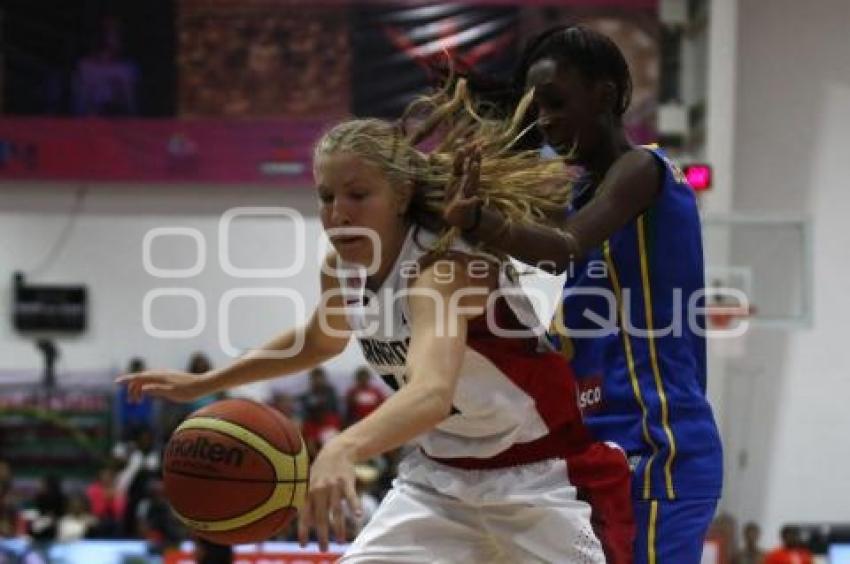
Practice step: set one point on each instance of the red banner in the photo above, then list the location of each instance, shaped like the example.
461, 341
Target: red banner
268, 151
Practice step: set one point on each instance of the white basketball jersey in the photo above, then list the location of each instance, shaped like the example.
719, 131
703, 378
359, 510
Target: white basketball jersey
511, 389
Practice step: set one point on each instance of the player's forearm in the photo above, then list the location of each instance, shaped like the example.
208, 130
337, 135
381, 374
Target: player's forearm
292, 352
410, 412
535, 245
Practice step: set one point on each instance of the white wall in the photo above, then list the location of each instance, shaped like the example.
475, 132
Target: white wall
721, 46
787, 419
103, 250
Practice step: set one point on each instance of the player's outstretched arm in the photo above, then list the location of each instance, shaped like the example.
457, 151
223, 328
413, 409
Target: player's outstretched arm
627, 190
440, 307
324, 336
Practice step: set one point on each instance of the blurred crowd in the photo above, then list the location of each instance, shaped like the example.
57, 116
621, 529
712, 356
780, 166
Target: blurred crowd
126, 499
744, 546
261, 61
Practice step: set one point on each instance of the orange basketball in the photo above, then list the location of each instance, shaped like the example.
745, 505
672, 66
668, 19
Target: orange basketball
236, 471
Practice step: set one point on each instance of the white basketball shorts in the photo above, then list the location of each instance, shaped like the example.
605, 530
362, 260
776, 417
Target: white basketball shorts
439, 514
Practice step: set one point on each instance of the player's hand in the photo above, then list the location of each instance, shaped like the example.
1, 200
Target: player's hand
462, 200
332, 480
169, 384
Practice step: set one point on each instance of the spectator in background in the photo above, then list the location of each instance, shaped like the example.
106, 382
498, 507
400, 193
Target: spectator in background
8, 507
156, 521
107, 503
50, 505
792, 550
172, 414
724, 528
77, 522
5, 477
200, 363
363, 398
319, 427
8, 517
320, 395
105, 81
134, 416
752, 552
141, 465
284, 403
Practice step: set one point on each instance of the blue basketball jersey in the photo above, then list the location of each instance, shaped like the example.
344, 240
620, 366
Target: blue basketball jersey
632, 326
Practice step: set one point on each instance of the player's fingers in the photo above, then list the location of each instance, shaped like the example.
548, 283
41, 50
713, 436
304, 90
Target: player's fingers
305, 521
148, 376
135, 383
135, 390
155, 389
352, 499
320, 517
459, 161
457, 176
473, 176
337, 515
126, 378
451, 190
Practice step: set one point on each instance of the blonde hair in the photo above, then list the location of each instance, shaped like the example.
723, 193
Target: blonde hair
521, 185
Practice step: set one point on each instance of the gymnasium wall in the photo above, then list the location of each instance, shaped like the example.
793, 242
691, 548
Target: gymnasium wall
786, 401
102, 247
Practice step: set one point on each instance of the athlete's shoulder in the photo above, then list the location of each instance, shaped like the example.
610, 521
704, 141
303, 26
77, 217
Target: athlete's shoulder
628, 188
452, 271
461, 262
635, 161
661, 159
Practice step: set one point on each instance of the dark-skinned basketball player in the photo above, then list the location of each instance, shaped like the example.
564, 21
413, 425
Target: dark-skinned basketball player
631, 245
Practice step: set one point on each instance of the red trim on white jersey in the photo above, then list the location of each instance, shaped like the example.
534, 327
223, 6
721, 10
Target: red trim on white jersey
545, 376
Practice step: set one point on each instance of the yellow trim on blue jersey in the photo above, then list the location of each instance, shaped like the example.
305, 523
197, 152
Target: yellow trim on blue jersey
650, 535
653, 356
630, 360
558, 327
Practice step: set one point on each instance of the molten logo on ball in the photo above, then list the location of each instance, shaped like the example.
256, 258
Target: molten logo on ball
236, 472
202, 449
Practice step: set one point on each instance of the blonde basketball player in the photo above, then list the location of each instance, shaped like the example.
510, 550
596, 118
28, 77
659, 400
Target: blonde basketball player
504, 469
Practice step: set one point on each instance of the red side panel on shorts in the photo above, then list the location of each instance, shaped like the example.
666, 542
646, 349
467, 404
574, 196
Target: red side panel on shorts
601, 474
